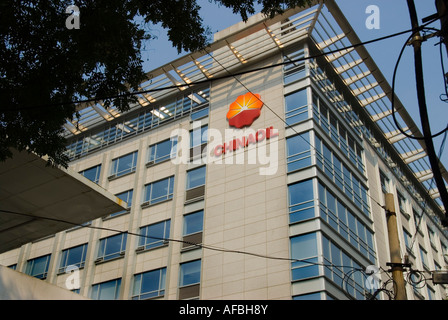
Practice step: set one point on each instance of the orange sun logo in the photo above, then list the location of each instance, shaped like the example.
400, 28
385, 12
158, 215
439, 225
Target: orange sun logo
244, 110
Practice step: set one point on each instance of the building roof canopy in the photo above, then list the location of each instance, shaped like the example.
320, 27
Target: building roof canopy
39, 200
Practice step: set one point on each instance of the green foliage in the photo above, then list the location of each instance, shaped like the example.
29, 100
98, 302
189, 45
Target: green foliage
44, 66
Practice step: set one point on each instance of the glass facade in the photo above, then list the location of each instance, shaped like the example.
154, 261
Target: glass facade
335, 148
136, 123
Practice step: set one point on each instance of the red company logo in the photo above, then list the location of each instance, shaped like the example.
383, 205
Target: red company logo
244, 110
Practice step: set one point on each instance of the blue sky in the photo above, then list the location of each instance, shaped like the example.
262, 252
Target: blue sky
394, 17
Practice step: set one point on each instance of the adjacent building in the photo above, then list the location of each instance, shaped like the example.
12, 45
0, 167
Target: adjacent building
232, 199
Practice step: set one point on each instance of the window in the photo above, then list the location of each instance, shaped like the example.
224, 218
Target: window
93, 174
126, 196
162, 151
192, 229
424, 257
301, 201
147, 119
304, 249
190, 273
112, 247
343, 221
431, 293
296, 105
401, 203
193, 222
198, 136
159, 191
75, 256
298, 152
309, 296
384, 182
444, 251
339, 173
407, 240
294, 71
154, 235
335, 129
339, 268
202, 113
38, 267
109, 290
123, 165
432, 238
196, 178
149, 284
195, 184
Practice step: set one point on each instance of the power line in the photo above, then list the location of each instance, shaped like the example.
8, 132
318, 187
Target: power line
281, 118
397, 125
204, 246
128, 94
418, 65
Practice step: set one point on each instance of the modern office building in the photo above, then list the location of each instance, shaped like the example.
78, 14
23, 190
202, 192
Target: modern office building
230, 198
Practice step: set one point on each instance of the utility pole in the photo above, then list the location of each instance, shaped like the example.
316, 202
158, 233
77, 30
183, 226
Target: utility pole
394, 248
427, 135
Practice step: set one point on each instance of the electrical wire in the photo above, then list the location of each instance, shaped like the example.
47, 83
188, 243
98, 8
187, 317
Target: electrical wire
417, 228
346, 275
444, 75
204, 246
398, 126
95, 100
281, 118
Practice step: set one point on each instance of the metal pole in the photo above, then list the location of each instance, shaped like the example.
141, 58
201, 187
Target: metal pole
394, 248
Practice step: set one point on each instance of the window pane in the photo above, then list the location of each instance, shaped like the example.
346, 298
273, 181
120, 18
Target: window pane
111, 247
153, 283
301, 201
298, 151
74, 256
190, 273
199, 114
93, 174
296, 107
154, 235
124, 164
304, 246
295, 100
162, 150
198, 136
126, 197
38, 267
159, 190
196, 177
107, 290
193, 222
304, 249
